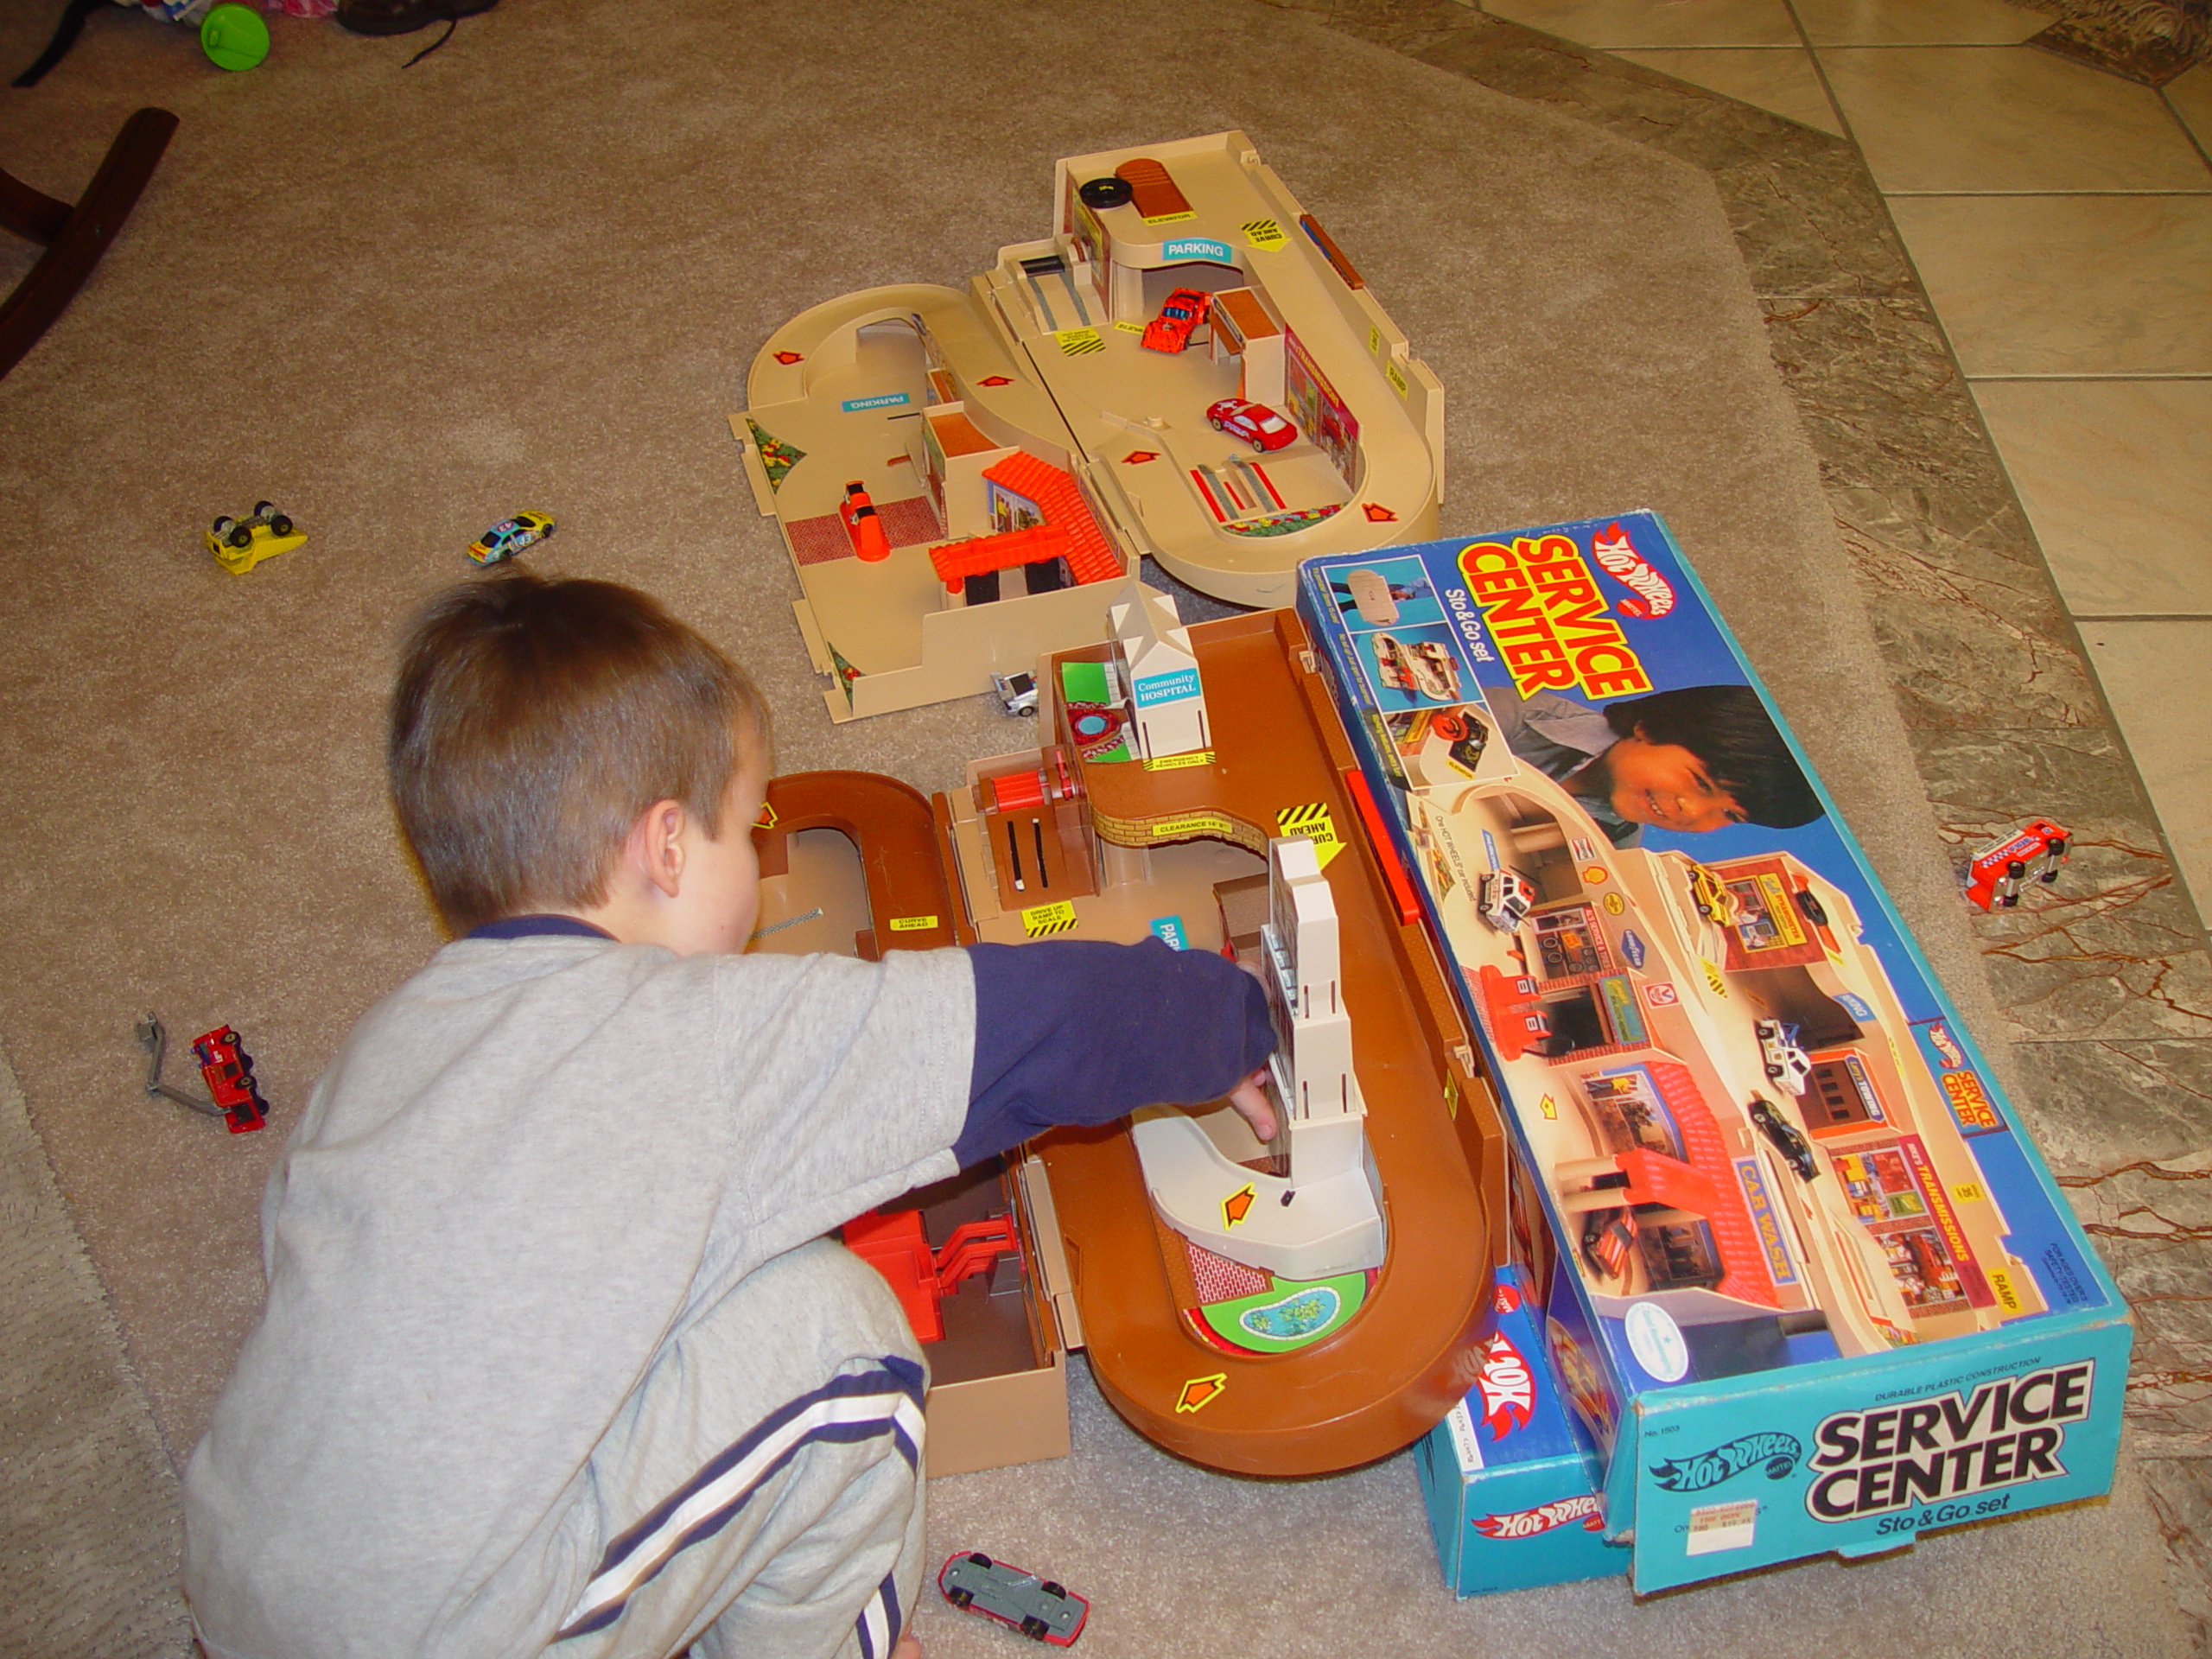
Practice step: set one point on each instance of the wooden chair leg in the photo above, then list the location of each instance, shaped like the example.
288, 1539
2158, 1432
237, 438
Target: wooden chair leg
75, 237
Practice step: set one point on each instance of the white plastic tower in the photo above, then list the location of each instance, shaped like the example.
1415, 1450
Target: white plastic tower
1324, 1218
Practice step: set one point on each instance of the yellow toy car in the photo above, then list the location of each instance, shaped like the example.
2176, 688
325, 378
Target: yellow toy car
1714, 902
238, 544
509, 536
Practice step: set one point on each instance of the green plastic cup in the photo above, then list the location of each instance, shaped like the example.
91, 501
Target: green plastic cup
234, 37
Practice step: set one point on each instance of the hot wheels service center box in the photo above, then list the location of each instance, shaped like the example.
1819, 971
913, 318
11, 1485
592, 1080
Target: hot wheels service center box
1810, 1287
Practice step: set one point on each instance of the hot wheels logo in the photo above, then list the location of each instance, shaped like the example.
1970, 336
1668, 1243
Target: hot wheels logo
1505, 1296
1650, 594
1526, 1524
1509, 1388
1697, 1473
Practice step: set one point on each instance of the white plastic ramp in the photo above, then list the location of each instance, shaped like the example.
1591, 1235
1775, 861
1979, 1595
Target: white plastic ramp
1313, 1225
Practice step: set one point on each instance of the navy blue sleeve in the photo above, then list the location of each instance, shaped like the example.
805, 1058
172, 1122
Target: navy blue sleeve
1078, 1031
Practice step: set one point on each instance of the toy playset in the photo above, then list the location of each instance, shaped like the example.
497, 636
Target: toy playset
1506, 1475
1289, 1308
1806, 1281
1187, 367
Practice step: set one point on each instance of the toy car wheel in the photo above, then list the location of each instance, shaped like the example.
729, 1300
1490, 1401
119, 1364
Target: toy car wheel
1814, 910
978, 1558
1107, 192
960, 1598
1051, 1589
240, 536
1773, 1071
223, 528
279, 525
1034, 1628
265, 509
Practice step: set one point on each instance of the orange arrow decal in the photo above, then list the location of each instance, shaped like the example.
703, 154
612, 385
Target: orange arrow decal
1138, 457
994, 380
789, 358
1237, 1205
1378, 514
1201, 1391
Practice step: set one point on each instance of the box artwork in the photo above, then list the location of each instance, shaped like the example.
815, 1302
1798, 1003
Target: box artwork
1506, 1475
1811, 1288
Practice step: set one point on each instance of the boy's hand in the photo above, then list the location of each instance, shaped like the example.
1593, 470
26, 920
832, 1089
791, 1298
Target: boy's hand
1250, 1101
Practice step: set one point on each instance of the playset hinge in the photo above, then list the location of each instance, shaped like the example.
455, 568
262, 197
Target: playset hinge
1047, 1250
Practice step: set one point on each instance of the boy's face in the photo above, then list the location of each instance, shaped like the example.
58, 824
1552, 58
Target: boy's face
721, 891
1666, 786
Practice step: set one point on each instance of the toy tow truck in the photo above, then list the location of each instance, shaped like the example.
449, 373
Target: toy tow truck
224, 1066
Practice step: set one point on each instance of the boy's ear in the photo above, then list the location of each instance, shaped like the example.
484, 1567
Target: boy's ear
656, 846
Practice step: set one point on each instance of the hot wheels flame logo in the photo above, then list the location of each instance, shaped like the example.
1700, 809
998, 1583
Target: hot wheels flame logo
1509, 1388
1505, 1297
1650, 594
1526, 1524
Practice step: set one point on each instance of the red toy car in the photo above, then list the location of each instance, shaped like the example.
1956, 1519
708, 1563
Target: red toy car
1255, 423
1171, 330
1040, 1610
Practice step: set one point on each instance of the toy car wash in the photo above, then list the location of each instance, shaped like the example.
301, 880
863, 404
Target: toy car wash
1288, 1308
1803, 1277
238, 544
1040, 1610
1187, 367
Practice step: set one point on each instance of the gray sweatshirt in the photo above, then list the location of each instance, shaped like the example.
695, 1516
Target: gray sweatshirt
524, 1173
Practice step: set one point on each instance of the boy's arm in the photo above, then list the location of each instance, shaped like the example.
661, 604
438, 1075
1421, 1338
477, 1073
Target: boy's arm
1074, 1031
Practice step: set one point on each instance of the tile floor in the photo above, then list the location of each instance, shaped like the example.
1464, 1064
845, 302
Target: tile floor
2061, 221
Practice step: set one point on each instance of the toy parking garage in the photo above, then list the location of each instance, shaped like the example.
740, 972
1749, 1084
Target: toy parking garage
1038, 434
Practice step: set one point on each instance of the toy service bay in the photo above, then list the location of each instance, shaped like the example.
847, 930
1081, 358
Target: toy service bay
1187, 367
1291, 1308
1806, 1283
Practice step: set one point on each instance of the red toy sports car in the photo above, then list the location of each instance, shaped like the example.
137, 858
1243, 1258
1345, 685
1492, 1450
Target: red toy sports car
1255, 423
1171, 330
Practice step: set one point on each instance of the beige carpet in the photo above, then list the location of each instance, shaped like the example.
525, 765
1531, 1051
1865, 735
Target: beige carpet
530, 272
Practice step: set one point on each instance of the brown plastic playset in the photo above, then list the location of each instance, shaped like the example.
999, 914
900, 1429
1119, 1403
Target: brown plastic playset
1284, 1308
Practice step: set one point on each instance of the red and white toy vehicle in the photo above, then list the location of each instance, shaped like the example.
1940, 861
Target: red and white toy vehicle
1255, 423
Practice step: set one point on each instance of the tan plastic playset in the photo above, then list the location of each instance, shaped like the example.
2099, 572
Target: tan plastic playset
955, 475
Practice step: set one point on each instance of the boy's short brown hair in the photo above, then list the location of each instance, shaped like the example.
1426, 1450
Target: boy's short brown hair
535, 719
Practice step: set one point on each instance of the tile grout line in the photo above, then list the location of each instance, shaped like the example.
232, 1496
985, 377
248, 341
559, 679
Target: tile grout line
2127, 194
2088, 377
2140, 616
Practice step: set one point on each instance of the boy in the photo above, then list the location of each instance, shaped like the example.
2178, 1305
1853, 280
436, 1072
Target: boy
555, 1359
1696, 759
